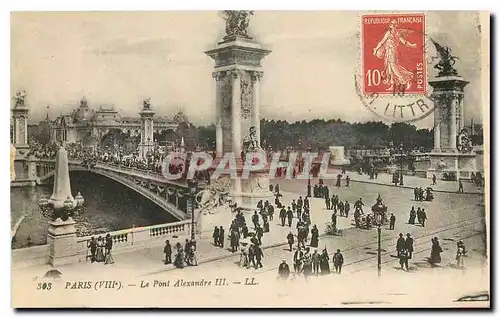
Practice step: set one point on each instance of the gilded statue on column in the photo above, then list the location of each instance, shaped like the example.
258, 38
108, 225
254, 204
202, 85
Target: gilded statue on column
20, 98
237, 22
446, 61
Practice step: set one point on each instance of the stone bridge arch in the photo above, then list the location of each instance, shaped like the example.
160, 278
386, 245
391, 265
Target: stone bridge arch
172, 198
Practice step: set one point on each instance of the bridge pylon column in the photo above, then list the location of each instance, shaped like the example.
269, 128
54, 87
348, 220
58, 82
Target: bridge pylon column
147, 129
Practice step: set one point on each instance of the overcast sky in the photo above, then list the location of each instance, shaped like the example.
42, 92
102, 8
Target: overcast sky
121, 58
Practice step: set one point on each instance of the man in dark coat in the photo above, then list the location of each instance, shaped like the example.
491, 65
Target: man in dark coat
326, 192
290, 240
423, 217
235, 240
316, 261
215, 236
300, 203
284, 270
283, 216
167, 250
327, 201
259, 232
400, 244
306, 203
289, 214
270, 210
255, 220
409, 245
251, 255
338, 261
258, 256
221, 237
392, 221
92, 244
335, 201
347, 208
334, 221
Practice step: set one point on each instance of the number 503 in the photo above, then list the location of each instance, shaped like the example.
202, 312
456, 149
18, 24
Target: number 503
44, 286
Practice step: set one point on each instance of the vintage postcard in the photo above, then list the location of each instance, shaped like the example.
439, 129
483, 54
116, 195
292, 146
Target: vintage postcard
250, 159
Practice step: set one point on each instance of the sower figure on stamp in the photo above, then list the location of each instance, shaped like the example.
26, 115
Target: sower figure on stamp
388, 50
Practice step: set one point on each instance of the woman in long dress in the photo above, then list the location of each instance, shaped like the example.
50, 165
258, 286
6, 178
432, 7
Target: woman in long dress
100, 250
324, 266
388, 50
180, 259
108, 258
436, 251
314, 236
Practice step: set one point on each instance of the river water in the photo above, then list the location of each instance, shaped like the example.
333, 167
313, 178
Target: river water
109, 206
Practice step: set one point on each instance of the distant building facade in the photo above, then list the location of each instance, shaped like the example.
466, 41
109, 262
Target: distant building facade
88, 126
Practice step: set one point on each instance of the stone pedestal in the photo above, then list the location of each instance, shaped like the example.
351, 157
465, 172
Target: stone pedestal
462, 165
448, 96
337, 156
62, 242
237, 74
254, 189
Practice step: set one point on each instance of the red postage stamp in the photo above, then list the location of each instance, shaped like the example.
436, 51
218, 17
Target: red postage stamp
393, 48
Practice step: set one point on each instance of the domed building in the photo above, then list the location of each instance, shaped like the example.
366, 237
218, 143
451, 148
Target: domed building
88, 126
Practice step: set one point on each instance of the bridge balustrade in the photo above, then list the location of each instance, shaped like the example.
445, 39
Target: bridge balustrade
137, 237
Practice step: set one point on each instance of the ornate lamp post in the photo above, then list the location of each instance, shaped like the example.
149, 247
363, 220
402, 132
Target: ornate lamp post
401, 174
193, 189
379, 209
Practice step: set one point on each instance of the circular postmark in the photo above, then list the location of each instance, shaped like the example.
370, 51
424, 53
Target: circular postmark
391, 80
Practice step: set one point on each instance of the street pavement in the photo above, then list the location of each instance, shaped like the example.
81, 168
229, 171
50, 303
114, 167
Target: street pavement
447, 211
451, 217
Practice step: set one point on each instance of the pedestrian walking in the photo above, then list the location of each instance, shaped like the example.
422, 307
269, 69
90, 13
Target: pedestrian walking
400, 244
316, 262
289, 214
338, 261
92, 244
215, 236
221, 237
258, 256
290, 240
283, 216
392, 221
461, 254
297, 260
167, 250
409, 245
436, 251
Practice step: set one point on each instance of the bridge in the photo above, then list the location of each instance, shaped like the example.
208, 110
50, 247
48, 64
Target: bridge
172, 196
